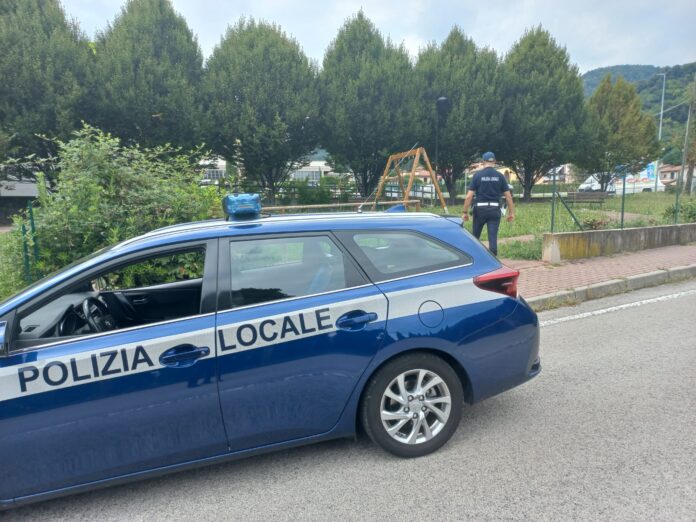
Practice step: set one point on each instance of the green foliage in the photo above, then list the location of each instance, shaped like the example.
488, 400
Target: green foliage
687, 212
147, 76
622, 135
106, 193
595, 223
157, 271
367, 97
648, 81
43, 66
679, 80
689, 146
530, 250
11, 272
342, 187
673, 156
300, 192
543, 108
630, 73
329, 189
260, 89
468, 78
642, 209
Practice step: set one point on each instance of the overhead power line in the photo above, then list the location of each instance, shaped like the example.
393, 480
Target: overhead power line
672, 107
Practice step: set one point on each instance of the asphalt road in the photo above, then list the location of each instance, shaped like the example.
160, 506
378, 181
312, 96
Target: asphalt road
606, 432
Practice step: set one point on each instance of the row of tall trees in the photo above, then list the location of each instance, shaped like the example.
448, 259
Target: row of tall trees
258, 99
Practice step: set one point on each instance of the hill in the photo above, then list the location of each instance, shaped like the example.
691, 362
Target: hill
649, 87
631, 73
679, 77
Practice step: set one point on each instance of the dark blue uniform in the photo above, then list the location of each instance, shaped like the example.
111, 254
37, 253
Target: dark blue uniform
489, 186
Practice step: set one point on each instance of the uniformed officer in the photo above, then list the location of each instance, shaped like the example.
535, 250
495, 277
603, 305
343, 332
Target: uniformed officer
488, 186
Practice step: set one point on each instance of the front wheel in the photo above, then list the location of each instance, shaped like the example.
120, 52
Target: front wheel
413, 405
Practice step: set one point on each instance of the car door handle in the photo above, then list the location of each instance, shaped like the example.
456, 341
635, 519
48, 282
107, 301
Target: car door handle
355, 320
183, 356
139, 300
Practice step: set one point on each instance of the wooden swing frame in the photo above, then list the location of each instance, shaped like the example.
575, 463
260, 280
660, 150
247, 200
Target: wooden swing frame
393, 165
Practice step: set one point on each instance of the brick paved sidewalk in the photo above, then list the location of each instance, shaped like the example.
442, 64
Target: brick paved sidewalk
538, 278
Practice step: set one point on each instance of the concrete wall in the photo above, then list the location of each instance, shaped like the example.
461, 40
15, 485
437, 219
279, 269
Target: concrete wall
593, 243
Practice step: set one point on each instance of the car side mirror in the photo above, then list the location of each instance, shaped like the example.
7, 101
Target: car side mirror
3, 338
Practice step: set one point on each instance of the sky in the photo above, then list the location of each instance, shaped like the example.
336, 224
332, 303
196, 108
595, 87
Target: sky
596, 33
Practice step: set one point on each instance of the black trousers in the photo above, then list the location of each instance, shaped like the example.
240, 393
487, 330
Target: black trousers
489, 216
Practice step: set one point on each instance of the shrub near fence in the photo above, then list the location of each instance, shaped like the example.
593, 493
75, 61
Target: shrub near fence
330, 189
105, 193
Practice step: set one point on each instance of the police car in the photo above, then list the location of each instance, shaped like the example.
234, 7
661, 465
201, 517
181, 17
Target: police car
207, 341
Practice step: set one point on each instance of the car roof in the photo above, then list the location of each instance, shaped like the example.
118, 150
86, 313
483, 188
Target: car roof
274, 224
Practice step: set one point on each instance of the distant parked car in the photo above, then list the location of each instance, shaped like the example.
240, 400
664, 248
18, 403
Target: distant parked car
592, 184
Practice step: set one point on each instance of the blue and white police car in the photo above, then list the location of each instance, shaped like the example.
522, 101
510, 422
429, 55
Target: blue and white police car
207, 341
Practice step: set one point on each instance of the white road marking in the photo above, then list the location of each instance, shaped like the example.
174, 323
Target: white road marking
611, 309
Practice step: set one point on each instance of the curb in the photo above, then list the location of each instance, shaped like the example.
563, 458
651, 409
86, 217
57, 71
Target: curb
612, 287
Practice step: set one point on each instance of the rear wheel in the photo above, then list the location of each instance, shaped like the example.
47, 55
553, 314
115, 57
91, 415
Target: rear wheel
412, 405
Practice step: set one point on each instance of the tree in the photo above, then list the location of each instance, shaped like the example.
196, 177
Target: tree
260, 91
543, 108
468, 78
367, 100
147, 76
43, 66
624, 137
679, 79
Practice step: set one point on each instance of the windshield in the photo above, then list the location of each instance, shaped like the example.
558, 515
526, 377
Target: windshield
54, 274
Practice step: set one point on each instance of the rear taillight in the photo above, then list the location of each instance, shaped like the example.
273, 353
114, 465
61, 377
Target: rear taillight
503, 281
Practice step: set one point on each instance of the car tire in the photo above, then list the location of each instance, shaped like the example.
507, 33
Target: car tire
420, 385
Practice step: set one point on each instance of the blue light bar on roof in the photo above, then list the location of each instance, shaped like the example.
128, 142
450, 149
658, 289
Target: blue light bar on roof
241, 206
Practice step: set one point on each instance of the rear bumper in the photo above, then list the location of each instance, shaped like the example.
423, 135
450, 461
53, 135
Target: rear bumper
503, 355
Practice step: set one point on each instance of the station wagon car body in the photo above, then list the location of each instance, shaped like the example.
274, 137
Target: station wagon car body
208, 341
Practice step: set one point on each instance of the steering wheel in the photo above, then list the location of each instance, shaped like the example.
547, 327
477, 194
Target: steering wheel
97, 315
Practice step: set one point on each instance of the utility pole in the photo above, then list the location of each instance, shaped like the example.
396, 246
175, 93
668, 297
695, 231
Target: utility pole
685, 151
441, 106
659, 132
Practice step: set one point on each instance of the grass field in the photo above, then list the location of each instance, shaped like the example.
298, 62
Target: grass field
646, 209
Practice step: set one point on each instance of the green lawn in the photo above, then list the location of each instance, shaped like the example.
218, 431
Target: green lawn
646, 209
535, 218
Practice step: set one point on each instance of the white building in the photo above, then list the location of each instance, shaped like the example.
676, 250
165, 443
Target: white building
312, 172
214, 172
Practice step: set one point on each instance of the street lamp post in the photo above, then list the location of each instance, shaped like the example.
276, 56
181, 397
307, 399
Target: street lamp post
441, 104
659, 132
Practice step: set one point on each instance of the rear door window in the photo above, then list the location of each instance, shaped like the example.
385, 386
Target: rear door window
391, 254
264, 270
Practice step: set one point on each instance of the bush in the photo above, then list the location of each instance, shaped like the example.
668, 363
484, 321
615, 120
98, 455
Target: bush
340, 187
595, 223
106, 192
687, 211
300, 192
330, 188
11, 276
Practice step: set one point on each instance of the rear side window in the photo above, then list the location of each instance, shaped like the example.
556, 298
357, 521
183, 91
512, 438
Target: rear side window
264, 270
391, 254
